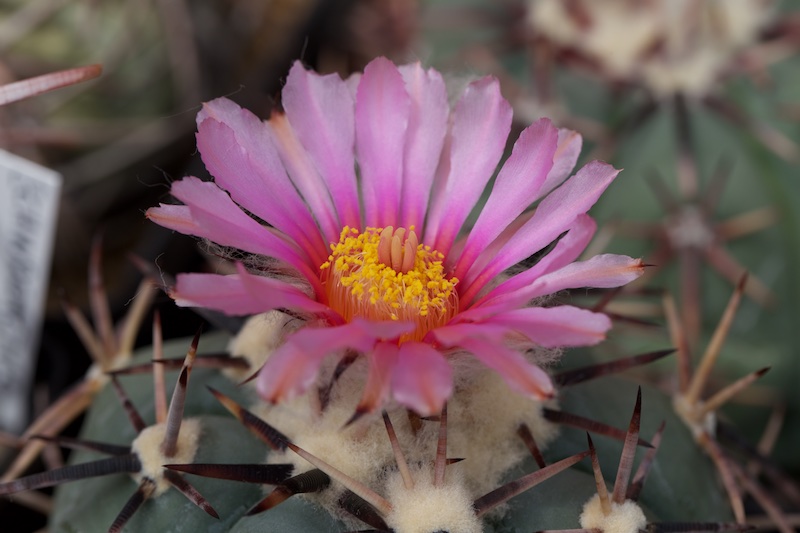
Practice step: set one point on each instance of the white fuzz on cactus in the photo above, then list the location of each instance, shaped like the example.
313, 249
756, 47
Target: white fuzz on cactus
625, 517
147, 448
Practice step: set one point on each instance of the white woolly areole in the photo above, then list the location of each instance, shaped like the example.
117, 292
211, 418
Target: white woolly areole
626, 517
484, 415
699, 423
259, 337
147, 448
425, 508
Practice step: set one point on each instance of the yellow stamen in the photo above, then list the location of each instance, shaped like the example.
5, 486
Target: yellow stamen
386, 274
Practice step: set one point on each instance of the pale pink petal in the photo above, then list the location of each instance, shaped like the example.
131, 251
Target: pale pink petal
566, 250
601, 271
496, 245
321, 111
516, 187
427, 126
238, 151
382, 361
293, 367
242, 294
486, 343
382, 112
552, 217
556, 326
305, 176
211, 214
422, 379
569, 148
481, 123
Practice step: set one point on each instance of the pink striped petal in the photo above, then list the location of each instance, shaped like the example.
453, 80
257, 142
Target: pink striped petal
211, 214
569, 148
601, 271
305, 176
427, 127
422, 379
382, 113
293, 367
486, 343
552, 217
238, 151
242, 294
516, 187
556, 326
321, 111
382, 361
481, 123
566, 250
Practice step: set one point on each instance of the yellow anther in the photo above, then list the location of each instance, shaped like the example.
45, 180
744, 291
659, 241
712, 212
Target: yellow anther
386, 274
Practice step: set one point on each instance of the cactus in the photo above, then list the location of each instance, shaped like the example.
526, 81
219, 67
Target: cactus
290, 440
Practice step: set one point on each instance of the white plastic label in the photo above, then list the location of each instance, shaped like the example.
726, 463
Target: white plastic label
29, 197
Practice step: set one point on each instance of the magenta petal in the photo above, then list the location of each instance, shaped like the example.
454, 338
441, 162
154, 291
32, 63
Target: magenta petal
293, 367
422, 379
565, 251
481, 122
569, 148
516, 187
520, 374
211, 214
486, 343
241, 156
427, 127
382, 112
552, 217
242, 294
304, 175
601, 271
382, 361
557, 326
321, 111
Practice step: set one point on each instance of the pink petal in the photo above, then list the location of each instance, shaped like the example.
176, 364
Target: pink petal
601, 271
516, 187
486, 343
211, 214
382, 112
293, 367
556, 326
321, 111
569, 148
422, 379
382, 361
566, 250
427, 127
242, 294
481, 122
304, 175
238, 151
551, 218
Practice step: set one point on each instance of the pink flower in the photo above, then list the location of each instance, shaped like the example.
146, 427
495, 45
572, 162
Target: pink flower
397, 281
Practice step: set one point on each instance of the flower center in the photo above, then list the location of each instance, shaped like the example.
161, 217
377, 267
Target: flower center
386, 274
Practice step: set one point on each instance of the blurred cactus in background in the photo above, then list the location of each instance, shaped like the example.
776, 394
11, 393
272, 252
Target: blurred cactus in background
695, 100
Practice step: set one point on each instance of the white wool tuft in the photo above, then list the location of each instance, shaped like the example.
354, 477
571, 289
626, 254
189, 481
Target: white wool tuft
147, 447
626, 517
425, 508
256, 341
